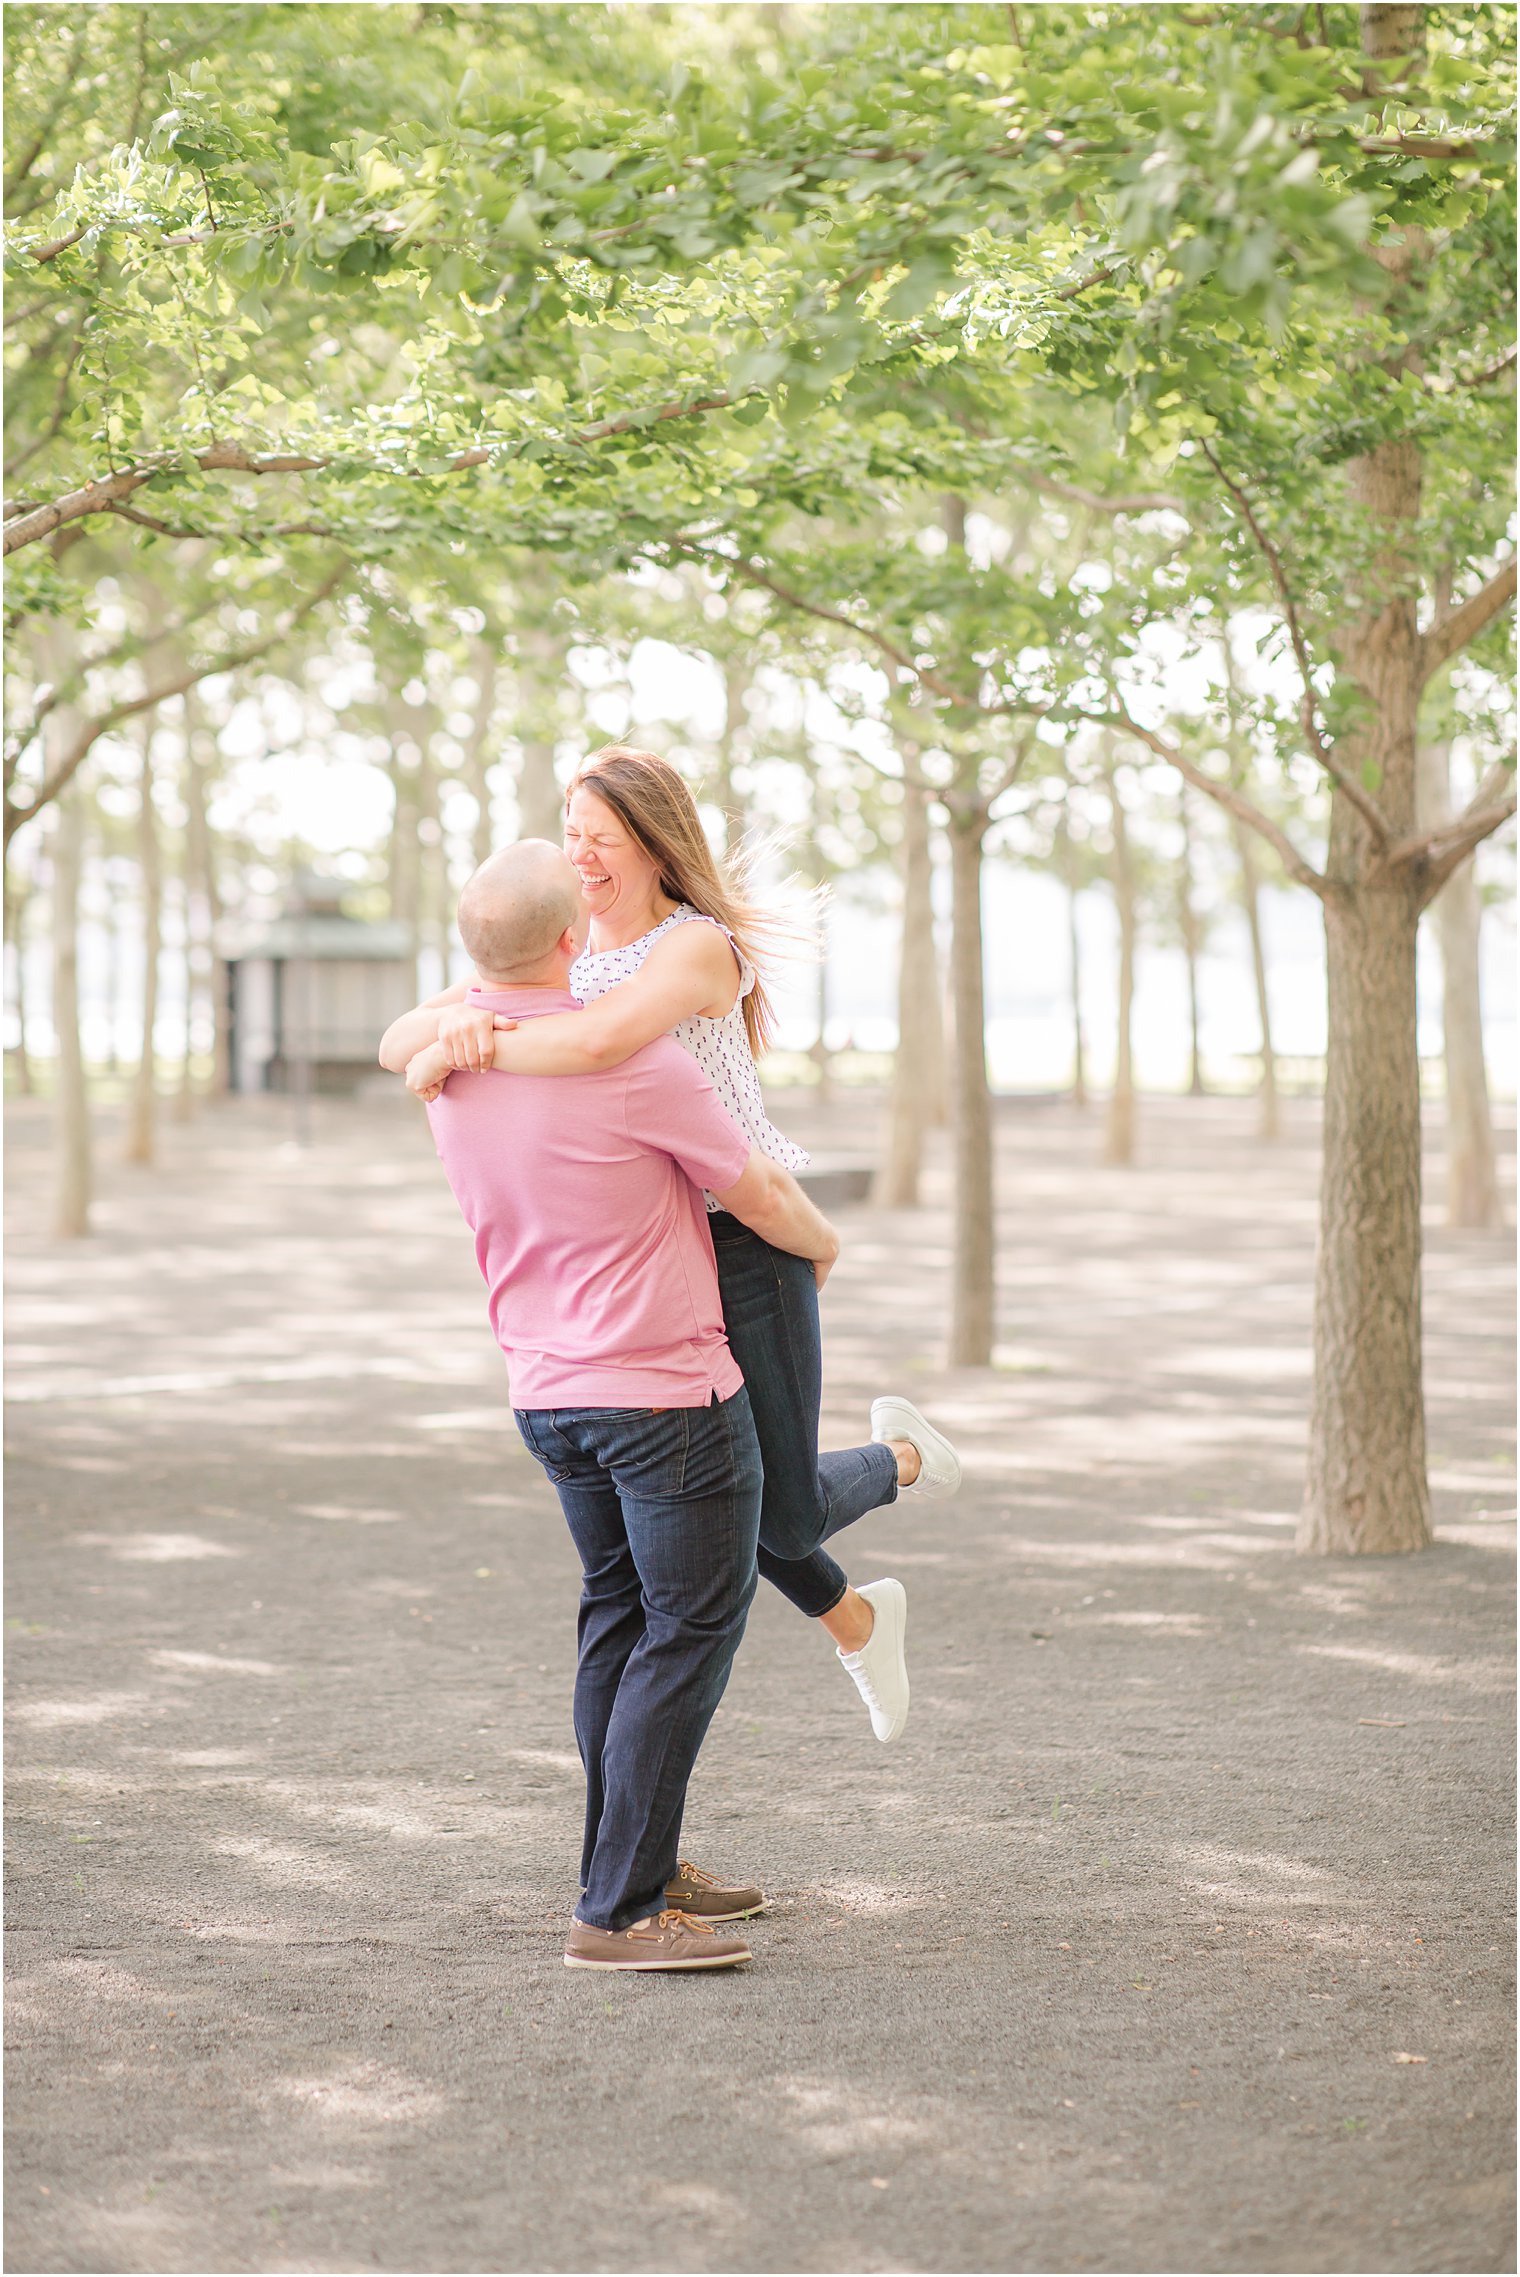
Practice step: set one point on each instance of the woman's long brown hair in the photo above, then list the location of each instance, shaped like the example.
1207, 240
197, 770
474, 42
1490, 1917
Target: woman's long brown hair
654, 805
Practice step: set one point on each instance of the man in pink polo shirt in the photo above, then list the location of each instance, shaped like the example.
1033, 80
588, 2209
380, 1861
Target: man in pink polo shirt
584, 1194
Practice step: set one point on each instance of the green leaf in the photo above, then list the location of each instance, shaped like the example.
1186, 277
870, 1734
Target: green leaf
1251, 261
592, 165
911, 295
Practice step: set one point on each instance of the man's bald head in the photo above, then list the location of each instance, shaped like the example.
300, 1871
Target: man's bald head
516, 907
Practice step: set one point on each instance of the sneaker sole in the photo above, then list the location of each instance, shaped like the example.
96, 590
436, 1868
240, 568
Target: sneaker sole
744, 1913
645, 1968
898, 1606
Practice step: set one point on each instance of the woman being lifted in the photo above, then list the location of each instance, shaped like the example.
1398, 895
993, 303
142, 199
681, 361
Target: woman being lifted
673, 949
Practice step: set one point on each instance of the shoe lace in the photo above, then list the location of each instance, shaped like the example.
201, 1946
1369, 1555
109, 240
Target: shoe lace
674, 1918
687, 1872
866, 1688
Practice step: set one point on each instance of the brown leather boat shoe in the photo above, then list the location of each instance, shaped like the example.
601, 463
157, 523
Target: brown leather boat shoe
668, 1940
692, 1891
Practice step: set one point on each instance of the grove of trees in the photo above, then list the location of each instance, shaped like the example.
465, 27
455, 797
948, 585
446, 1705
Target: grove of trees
1103, 413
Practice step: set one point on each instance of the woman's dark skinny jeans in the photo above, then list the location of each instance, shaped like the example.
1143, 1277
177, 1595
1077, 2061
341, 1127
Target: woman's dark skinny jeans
770, 1308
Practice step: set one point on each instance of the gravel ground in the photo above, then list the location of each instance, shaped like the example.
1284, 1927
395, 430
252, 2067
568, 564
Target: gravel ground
1174, 1935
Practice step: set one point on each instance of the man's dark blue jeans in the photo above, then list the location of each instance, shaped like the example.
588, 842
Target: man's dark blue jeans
664, 1508
770, 1310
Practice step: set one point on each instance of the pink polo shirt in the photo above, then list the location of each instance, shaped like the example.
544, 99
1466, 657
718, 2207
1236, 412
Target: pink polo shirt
584, 1193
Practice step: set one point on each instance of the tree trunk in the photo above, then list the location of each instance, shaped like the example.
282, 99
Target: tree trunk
119, 917
71, 1105
1366, 1489
1078, 1049
1472, 1185
434, 913
540, 800
974, 1269
1366, 1483
1187, 919
1119, 1131
143, 1104
1066, 866
182, 1097
918, 1065
17, 902
404, 854
820, 1051
1269, 1123
477, 763
203, 903
737, 678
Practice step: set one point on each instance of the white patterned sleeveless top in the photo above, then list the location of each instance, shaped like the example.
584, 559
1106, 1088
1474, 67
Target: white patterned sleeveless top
719, 1047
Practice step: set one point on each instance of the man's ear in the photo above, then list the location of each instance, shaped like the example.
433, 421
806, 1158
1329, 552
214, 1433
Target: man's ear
570, 942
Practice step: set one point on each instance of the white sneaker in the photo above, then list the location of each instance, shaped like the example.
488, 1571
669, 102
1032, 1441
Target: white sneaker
879, 1668
939, 1465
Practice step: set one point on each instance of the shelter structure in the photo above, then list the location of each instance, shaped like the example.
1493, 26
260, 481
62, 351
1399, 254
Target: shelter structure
310, 991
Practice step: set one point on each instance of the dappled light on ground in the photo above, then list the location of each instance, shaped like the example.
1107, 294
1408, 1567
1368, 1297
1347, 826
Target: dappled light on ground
1187, 1842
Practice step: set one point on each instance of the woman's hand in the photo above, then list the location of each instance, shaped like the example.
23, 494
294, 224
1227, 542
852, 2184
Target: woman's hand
428, 1071
467, 1032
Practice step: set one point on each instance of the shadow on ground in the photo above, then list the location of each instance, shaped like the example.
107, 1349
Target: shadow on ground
1172, 1935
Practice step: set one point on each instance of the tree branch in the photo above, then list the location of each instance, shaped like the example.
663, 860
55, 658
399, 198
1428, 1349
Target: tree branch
1489, 371
1296, 864
1448, 846
184, 530
67, 765
26, 524
1008, 774
1098, 276
925, 674
1458, 849
1366, 805
1419, 146
15, 318
1136, 502
57, 245
1454, 630
131, 646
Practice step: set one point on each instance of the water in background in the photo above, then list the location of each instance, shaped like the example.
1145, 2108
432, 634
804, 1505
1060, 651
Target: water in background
1029, 1037
1028, 989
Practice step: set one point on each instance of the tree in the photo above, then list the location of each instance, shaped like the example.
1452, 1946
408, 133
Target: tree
1119, 1127
1190, 933
1269, 1122
18, 897
1067, 869
142, 1112
204, 979
918, 1069
1472, 1183
631, 307
72, 1191
33, 781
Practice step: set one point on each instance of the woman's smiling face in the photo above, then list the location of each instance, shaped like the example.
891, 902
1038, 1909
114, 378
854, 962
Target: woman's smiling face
617, 878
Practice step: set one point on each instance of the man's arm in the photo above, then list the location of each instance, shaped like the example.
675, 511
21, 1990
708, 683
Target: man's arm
416, 1029
770, 1202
